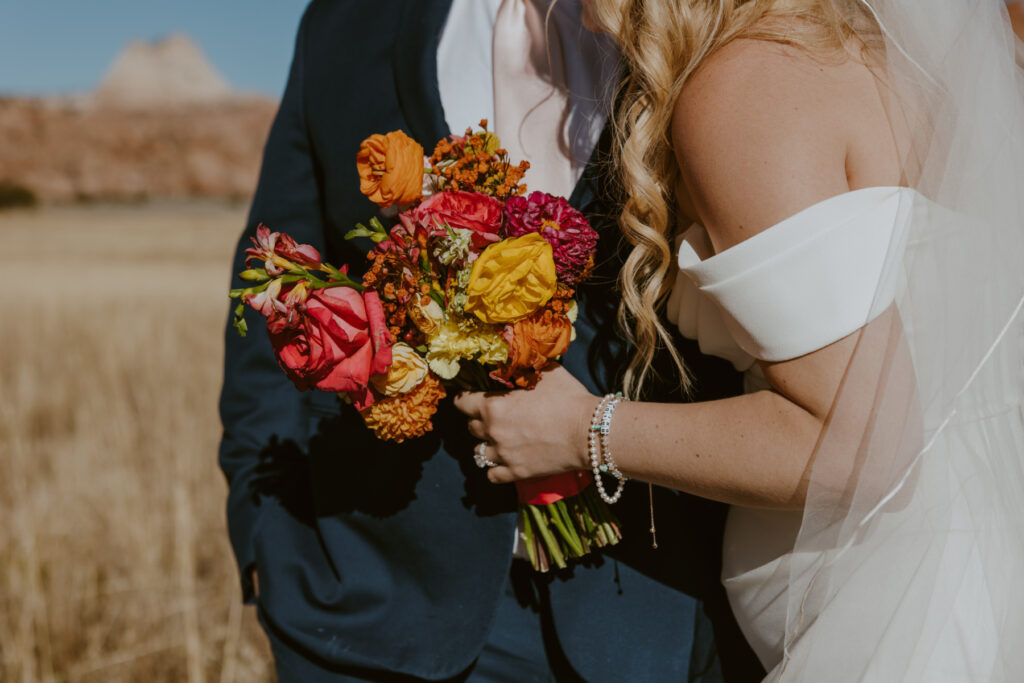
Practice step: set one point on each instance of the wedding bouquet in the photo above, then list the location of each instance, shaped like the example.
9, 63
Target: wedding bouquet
471, 286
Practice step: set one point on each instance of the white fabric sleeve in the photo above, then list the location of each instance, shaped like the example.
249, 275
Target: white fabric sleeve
807, 281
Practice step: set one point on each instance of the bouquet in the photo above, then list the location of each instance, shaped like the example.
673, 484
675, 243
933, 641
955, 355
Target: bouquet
469, 286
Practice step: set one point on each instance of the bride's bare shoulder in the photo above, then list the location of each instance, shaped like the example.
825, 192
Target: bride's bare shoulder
763, 129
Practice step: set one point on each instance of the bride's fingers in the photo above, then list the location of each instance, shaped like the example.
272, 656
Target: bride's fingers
500, 475
485, 454
470, 403
478, 429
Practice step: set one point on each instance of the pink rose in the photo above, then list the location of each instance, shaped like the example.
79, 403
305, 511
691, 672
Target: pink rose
472, 211
338, 340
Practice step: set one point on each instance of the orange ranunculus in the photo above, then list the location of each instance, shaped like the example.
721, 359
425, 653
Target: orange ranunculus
390, 169
397, 418
511, 279
538, 338
532, 343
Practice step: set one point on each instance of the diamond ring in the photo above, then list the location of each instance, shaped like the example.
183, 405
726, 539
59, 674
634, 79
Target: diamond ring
480, 458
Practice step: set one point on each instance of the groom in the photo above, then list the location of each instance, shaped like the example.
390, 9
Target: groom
380, 561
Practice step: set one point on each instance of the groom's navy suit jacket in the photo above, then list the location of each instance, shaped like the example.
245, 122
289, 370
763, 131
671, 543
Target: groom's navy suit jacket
394, 557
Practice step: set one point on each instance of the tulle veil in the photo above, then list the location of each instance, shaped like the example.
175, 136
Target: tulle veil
909, 563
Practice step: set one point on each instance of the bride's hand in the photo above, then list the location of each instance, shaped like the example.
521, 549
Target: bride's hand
532, 433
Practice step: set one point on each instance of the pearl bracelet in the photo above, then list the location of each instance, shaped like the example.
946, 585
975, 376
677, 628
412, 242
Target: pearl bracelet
601, 461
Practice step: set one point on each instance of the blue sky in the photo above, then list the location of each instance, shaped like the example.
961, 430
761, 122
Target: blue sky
60, 46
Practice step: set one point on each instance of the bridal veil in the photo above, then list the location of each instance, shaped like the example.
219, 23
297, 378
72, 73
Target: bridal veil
909, 564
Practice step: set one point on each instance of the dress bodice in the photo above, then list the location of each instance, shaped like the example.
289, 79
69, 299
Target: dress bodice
797, 286
793, 288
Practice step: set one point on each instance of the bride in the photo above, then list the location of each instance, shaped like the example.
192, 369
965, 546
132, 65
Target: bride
827, 193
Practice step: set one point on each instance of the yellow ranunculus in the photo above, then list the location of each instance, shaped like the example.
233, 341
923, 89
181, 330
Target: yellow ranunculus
511, 279
407, 370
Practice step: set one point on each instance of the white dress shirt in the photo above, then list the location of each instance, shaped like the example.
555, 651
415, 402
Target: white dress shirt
464, 71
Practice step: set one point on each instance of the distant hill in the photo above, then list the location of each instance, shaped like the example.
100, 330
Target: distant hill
162, 124
170, 71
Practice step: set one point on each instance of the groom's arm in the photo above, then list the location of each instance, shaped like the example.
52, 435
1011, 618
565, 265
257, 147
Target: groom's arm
258, 404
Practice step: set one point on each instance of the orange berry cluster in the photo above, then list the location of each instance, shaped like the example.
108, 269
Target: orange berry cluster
392, 278
466, 164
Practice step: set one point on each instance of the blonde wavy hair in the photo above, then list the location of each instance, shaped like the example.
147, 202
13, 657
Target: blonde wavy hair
662, 43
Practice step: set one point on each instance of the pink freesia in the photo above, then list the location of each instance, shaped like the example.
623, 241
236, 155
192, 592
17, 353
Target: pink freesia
267, 301
338, 341
297, 295
280, 252
263, 247
479, 213
567, 230
304, 255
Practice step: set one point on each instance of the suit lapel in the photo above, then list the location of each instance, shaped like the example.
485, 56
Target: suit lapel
583, 193
415, 69
594, 183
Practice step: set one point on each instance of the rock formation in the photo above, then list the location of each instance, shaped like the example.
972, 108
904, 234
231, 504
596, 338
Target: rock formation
163, 123
172, 71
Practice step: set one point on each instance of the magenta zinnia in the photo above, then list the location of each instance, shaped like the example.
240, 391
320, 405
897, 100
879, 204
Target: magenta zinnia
566, 229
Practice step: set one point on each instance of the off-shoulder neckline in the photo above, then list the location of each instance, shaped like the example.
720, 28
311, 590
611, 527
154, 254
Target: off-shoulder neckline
845, 204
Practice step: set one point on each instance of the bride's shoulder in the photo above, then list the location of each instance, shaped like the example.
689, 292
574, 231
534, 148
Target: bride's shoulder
762, 130
763, 66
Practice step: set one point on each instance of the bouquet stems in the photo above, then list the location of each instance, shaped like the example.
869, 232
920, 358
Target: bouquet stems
567, 529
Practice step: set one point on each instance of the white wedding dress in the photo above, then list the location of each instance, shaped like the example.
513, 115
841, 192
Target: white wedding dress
806, 282
906, 563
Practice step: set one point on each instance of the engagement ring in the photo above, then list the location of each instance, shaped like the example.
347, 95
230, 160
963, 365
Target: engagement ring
481, 460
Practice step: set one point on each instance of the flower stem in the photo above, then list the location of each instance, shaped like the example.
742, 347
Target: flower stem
573, 548
581, 524
560, 514
528, 537
340, 280
550, 542
607, 525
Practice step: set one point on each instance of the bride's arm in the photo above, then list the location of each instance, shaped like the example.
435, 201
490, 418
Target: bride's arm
750, 450
760, 134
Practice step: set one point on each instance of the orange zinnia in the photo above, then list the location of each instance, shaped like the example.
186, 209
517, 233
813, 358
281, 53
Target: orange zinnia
407, 415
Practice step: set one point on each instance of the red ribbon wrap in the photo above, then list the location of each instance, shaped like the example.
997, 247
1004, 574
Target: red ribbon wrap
548, 490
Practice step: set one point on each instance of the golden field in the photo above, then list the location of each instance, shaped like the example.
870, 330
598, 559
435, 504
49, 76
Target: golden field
114, 559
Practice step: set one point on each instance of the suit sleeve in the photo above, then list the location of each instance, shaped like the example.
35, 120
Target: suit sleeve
259, 407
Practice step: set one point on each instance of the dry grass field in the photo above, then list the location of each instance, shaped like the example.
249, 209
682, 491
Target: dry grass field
114, 560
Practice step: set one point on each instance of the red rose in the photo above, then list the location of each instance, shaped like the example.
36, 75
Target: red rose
337, 341
473, 211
